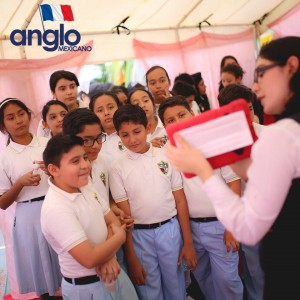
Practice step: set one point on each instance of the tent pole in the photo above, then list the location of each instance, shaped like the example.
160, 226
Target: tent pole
177, 31
26, 24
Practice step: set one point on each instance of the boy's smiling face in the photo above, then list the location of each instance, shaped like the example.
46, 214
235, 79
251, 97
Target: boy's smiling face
134, 136
73, 172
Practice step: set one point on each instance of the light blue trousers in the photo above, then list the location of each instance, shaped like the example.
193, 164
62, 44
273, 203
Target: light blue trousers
158, 251
217, 270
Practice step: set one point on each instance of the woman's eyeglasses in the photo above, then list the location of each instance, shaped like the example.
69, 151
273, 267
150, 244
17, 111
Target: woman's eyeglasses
89, 142
260, 70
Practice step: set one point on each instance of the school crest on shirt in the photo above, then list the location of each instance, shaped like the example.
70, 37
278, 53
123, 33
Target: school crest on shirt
103, 178
121, 146
164, 167
165, 138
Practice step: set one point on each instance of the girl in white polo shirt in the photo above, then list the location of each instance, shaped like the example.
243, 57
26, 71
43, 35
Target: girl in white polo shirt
36, 263
104, 105
53, 114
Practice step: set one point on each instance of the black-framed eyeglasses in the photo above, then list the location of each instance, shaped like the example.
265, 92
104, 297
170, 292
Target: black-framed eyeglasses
260, 70
89, 142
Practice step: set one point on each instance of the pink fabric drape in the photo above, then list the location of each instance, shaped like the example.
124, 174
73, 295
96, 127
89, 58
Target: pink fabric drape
287, 24
202, 53
28, 80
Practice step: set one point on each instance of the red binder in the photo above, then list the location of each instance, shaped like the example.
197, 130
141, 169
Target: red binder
224, 135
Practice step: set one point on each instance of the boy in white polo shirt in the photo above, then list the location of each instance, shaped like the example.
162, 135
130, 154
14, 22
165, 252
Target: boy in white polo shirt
80, 227
146, 186
217, 268
84, 123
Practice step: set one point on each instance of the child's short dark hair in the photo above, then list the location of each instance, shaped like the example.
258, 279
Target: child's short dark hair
171, 102
186, 77
102, 93
57, 146
234, 69
235, 91
184, 89
47, 106
75, 120
57, 75
129, 113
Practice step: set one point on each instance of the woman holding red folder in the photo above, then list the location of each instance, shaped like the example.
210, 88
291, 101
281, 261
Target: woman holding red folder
268, 211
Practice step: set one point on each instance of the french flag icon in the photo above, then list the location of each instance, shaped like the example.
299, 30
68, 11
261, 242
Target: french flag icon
56, 12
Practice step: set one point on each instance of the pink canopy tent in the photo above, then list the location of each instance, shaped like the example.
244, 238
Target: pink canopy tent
27, 79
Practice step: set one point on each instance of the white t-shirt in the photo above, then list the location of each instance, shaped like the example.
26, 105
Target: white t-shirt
275, 163
16, 160
147, 182
68, 219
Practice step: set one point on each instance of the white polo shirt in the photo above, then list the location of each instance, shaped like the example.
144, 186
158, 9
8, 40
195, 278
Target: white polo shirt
199, 204
159, 131
68, 219
112, 148
99, 177
147, 182
16, 160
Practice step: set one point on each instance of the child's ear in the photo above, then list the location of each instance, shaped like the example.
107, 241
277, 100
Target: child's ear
44, 124
53, 170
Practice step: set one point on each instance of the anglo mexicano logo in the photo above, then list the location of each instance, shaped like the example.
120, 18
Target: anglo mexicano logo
51, 40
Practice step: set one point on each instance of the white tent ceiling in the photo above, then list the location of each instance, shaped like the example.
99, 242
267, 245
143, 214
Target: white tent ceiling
160, 21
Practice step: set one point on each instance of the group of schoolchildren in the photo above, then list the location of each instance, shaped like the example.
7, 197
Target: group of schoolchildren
98, 202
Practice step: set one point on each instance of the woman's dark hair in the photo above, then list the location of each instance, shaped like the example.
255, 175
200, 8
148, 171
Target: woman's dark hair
47, 106
129, 113
102, 93
143, 90
57, 75
75, 120
279, 51
57, 146
4, 104
154, 68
